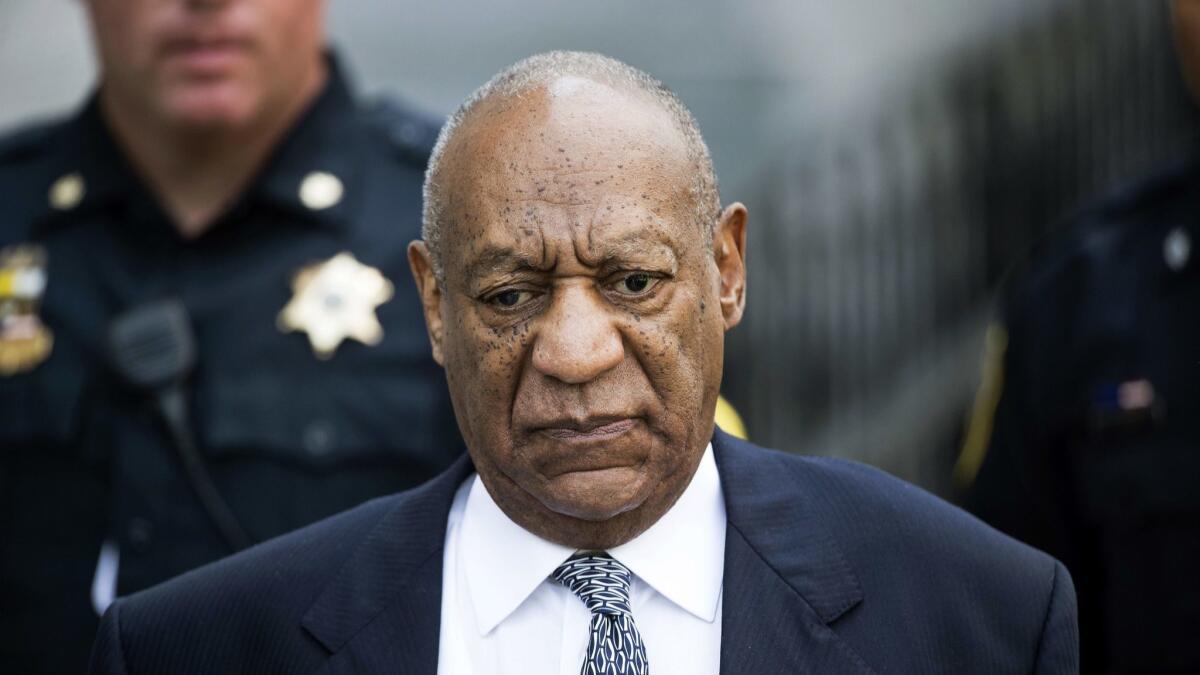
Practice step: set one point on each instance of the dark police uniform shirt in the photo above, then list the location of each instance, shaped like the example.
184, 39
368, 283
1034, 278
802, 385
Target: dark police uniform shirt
289, 437
1095, 443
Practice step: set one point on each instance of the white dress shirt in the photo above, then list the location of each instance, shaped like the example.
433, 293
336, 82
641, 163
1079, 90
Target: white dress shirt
502, 614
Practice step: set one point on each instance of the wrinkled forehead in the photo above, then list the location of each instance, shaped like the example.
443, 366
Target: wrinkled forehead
569, 155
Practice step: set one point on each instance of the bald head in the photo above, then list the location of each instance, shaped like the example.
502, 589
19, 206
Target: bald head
526, 95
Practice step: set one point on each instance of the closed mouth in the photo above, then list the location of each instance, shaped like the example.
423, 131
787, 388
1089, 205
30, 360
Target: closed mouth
589, 430
207, 52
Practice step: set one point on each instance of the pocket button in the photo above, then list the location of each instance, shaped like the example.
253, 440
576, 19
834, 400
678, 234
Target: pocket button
319, 437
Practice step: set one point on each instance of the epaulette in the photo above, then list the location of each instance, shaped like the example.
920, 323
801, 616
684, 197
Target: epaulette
409, 132
1175, 179
1102, 226
27, 141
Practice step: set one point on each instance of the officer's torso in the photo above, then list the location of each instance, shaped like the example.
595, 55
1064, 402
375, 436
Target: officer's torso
291, 433
1110, 328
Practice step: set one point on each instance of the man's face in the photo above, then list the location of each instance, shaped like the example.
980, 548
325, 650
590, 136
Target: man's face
207, 63
582, 318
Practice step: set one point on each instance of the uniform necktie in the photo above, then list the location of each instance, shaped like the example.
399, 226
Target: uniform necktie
615, 646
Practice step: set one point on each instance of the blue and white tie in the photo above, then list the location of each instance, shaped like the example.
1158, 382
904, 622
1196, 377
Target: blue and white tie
615, 647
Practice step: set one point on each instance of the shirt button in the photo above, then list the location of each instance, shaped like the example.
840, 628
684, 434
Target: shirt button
318, 438
140, 533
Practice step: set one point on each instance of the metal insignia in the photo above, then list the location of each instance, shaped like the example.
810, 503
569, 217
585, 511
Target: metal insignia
24, 340
335, 300
1177, 248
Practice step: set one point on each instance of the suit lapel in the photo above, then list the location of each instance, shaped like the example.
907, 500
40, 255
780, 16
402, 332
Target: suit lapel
786, 580
382, 611
402, 638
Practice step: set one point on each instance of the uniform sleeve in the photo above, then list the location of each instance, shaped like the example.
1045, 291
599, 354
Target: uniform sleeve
108, 656
1058, 648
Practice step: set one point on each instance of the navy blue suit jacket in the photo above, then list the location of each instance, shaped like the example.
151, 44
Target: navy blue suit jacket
830, 567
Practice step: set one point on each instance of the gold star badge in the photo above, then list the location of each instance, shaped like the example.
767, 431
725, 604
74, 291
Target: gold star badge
335, 300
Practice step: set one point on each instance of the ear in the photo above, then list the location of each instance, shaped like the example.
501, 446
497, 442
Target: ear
431, 294
729, 252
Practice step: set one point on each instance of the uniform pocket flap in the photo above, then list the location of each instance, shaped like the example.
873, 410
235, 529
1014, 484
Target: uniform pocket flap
339, 418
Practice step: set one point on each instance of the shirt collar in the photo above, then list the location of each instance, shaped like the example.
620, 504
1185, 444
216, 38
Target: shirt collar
682, 556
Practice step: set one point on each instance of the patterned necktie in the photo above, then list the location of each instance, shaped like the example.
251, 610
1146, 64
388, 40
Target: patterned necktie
615, 647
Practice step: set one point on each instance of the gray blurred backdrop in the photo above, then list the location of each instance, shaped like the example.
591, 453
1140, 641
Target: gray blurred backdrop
896, 159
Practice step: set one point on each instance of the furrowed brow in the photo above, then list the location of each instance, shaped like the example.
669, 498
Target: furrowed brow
636, 248
497, 260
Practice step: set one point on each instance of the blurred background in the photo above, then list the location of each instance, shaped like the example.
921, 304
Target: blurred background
896, 158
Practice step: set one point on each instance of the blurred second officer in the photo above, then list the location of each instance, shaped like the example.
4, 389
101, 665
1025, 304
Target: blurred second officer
1086, 437
206, 332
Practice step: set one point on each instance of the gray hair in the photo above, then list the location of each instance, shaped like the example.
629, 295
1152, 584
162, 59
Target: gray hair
541, 69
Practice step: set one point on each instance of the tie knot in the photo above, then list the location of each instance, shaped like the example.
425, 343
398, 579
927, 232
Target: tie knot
599, 580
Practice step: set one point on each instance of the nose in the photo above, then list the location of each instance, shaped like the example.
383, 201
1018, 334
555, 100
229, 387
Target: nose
577, 341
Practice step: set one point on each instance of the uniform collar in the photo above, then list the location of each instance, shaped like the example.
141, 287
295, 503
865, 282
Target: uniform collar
86, 152
326, 139
681, 556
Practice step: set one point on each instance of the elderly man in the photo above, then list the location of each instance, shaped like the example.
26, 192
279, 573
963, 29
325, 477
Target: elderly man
578, 275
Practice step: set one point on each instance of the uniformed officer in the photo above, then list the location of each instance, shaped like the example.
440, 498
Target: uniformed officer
208, 334
1085, 440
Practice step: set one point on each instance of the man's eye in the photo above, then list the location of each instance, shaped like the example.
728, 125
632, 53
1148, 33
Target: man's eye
510, 298
636, 283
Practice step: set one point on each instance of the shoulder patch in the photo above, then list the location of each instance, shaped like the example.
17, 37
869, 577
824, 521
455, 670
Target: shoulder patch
983, 412
729, 420
409, 132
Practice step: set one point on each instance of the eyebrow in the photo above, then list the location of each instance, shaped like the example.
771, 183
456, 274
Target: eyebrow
635, 246
495, 259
